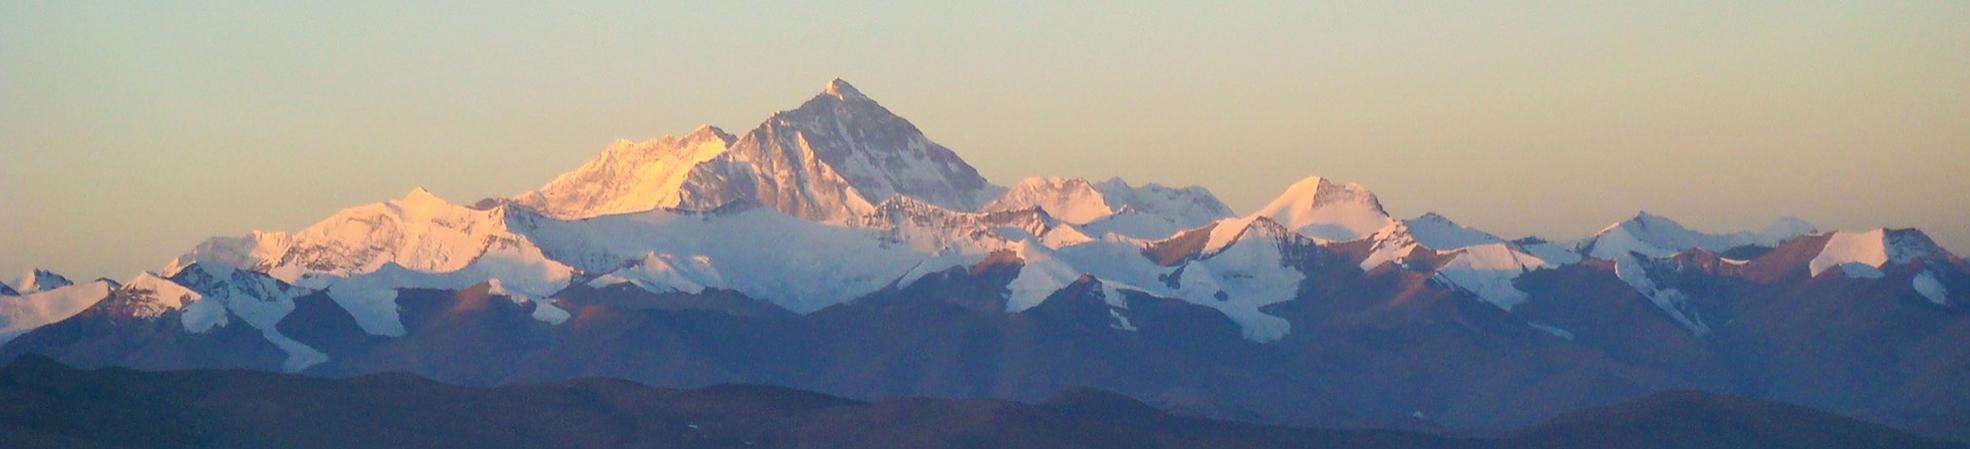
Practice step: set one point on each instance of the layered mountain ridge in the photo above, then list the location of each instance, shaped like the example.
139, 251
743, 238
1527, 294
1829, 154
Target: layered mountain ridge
830, 232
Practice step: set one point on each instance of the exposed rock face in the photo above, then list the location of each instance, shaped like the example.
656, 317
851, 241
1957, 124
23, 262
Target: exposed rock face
830, 160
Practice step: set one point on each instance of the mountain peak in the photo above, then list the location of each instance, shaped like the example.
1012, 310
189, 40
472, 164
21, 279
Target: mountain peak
1073, 200
1866, 253
38, 280
420, 195
1659, 236
841, 89
827, 160
848, 140
1325, 210
707, 132
1436, 231
149, 295
635, 177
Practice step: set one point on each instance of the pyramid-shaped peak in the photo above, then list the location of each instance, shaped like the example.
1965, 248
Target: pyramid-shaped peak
1644, 216
1325, 210
841, 89
421, 195
1646, 220
707, 132
149, 295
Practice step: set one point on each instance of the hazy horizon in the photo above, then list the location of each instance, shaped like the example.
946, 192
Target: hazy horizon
129, 133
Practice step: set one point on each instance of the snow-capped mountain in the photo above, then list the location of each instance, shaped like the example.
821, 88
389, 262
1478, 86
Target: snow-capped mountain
48, 298
835, 247
1072, 200
1149, 211
1400, 238
1634, 244
362, 256
1439, 232
37, 281
797, 264
831, 160
1488, 271
1187, 207
1657, 236
256, 299
1872, 254
419, 232
635, 177
150, 296
1328, 211
1460, 257
877, 152
1865, 254
839, 198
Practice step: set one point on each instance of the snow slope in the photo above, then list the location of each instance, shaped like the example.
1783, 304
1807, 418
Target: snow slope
630, 177
877, 152
1865, 254
1633, 269
1551, 252
1245, 268
149, 296
1429, 231
1072, 200
1488, 270
1327, 211
798, 264
1439, 232
1637, 243
1479, 263
1930, 288
38, 280
22, 313
1149, 211
371, 298
259, 300
362, 255
420, 233
1657, 236
1154, 211
829, 160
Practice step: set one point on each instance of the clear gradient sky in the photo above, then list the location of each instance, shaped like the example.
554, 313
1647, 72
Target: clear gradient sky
130, 132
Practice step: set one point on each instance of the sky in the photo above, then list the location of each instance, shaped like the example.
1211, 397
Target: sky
129, 132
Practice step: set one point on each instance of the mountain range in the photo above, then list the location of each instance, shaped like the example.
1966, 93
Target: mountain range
835, 248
